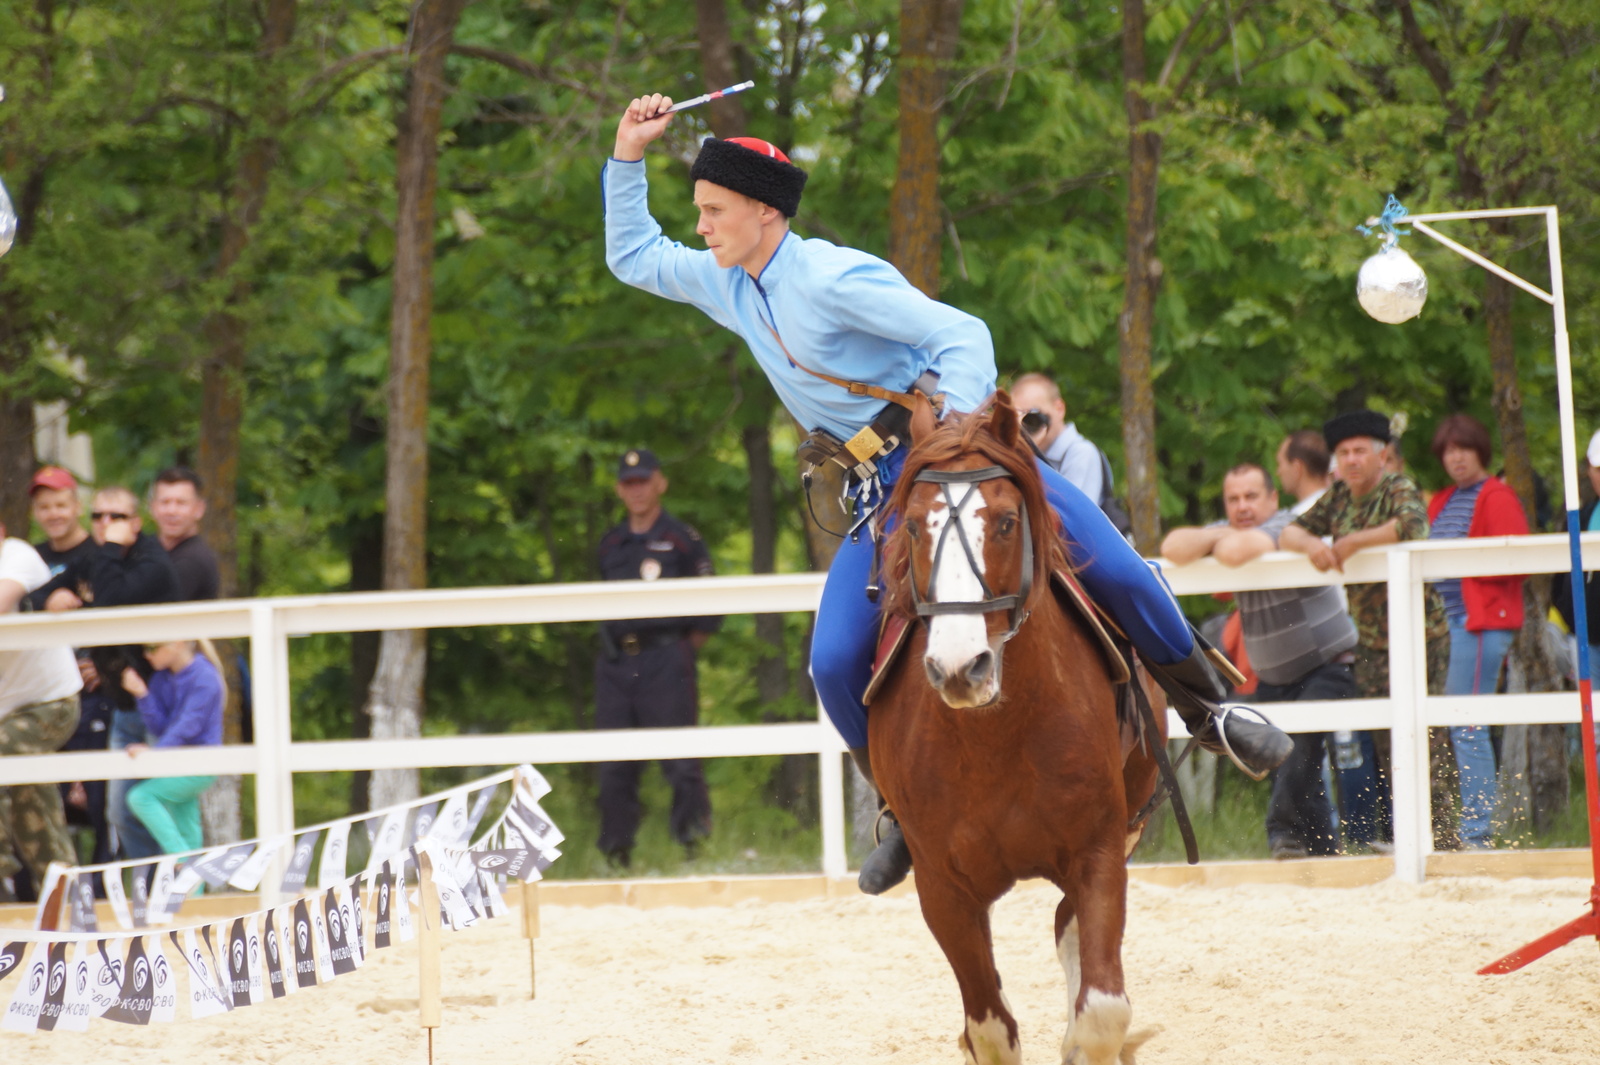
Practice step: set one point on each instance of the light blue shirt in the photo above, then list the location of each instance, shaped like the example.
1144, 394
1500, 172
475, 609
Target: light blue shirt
839, 311
1078, 460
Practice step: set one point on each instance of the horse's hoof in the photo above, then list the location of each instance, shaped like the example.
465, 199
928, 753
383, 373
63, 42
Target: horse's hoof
1134, 1042
889, 864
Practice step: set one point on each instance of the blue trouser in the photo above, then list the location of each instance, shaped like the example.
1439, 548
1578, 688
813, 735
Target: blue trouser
1475, 661
135, 840
1128, 587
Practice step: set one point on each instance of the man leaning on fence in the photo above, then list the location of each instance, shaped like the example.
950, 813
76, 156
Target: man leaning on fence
645, 675
1300, 642
1371, 507
38, 712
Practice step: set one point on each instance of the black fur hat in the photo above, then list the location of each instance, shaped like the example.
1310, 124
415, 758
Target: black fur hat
1342, 427
752, 167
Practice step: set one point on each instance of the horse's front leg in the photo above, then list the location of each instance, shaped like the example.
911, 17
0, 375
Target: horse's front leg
1089, 925
961, 925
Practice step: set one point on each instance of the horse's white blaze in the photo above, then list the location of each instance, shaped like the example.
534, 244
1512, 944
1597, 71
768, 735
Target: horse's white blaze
1099, 1029
954, 640
989, 1043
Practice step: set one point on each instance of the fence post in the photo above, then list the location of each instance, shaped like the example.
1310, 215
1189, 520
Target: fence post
830, 773
269, 689
1408, 730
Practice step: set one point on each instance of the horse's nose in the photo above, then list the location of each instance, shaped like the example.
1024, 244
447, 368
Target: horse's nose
979, 669
936, 674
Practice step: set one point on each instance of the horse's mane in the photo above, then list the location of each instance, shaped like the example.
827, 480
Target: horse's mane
974, 434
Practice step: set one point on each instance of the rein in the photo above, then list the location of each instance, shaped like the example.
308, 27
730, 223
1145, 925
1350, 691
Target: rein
1017, 603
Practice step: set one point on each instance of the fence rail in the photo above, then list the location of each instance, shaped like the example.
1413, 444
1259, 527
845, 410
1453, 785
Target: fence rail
273, 758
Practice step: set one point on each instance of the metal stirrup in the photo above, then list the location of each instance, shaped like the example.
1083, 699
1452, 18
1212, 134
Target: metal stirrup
877, 825
1220, 719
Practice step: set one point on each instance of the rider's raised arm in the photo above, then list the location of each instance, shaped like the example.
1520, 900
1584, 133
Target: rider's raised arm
639, 254
874, 297
636, 250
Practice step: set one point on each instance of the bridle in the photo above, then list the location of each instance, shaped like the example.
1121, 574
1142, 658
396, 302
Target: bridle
1017, 603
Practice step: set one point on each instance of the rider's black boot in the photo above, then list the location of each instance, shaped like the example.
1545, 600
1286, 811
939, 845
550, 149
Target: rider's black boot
1197, 690
890, 862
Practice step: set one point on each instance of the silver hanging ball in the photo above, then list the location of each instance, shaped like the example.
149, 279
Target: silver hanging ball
1391, 286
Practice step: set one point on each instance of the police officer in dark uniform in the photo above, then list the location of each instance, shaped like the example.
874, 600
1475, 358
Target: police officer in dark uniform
645, 675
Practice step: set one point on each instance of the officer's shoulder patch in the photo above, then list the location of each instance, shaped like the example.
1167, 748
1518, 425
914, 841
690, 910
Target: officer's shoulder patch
692, 533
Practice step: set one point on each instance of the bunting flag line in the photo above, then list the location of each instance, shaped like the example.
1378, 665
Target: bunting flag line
242, 865
64, 980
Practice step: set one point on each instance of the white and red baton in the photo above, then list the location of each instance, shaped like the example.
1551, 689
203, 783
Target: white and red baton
707, 98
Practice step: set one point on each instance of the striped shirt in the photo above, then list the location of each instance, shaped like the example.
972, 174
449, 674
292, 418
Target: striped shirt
1453, 523
1291, 631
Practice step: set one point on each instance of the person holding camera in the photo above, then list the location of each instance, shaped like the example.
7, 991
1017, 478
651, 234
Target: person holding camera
1063, 448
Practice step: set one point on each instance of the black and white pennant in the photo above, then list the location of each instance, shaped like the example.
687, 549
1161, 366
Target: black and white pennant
305, 959
207, 997
342, 951
305, 849
384, 887
22, 1013
135, 999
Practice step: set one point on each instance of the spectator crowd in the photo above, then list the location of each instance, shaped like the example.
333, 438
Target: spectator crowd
99, 698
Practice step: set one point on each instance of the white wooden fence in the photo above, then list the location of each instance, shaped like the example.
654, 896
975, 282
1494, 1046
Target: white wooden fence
273, 759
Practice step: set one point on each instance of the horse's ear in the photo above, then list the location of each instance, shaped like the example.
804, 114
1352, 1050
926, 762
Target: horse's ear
1003, 419
923, 420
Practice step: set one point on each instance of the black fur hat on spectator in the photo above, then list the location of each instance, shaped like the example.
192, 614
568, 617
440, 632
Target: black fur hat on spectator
752, 167
1342, 427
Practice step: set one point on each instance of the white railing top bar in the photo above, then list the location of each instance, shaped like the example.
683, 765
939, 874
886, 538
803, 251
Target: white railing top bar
780, 593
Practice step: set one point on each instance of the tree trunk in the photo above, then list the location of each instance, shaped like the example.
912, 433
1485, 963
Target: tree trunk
222, 397
929, 33
222, 374
366, 575
1135, 327
772, 683
17, 461
395, 703
718, 66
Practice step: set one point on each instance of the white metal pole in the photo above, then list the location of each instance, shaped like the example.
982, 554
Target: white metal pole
1569, 471
1488, 264
1408, 733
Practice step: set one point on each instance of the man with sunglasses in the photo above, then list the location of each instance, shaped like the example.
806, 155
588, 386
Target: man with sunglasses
129, 568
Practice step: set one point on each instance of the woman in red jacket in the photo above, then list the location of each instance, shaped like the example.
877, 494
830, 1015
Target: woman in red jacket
1485, 612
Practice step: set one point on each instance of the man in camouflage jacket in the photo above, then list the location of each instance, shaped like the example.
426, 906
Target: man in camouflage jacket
1370, 507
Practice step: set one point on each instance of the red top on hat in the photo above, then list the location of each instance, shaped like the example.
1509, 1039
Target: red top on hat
52, 477
756, 144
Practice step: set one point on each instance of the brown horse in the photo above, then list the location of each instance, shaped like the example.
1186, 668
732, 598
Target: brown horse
997, 782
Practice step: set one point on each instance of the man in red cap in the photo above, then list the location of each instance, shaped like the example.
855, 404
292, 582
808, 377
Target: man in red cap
69, 553
58, 510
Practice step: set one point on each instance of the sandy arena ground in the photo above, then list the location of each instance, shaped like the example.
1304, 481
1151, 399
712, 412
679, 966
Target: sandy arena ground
1241, 974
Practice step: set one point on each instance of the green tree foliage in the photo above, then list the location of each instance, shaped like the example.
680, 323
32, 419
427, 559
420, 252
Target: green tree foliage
1298, 118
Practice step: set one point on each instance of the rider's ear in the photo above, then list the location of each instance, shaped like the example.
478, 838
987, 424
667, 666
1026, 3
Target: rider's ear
1003, 419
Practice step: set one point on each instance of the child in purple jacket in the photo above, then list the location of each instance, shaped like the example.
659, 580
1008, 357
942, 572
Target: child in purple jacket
182, 707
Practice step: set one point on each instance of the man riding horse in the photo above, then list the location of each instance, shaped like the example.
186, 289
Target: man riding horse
844, 339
